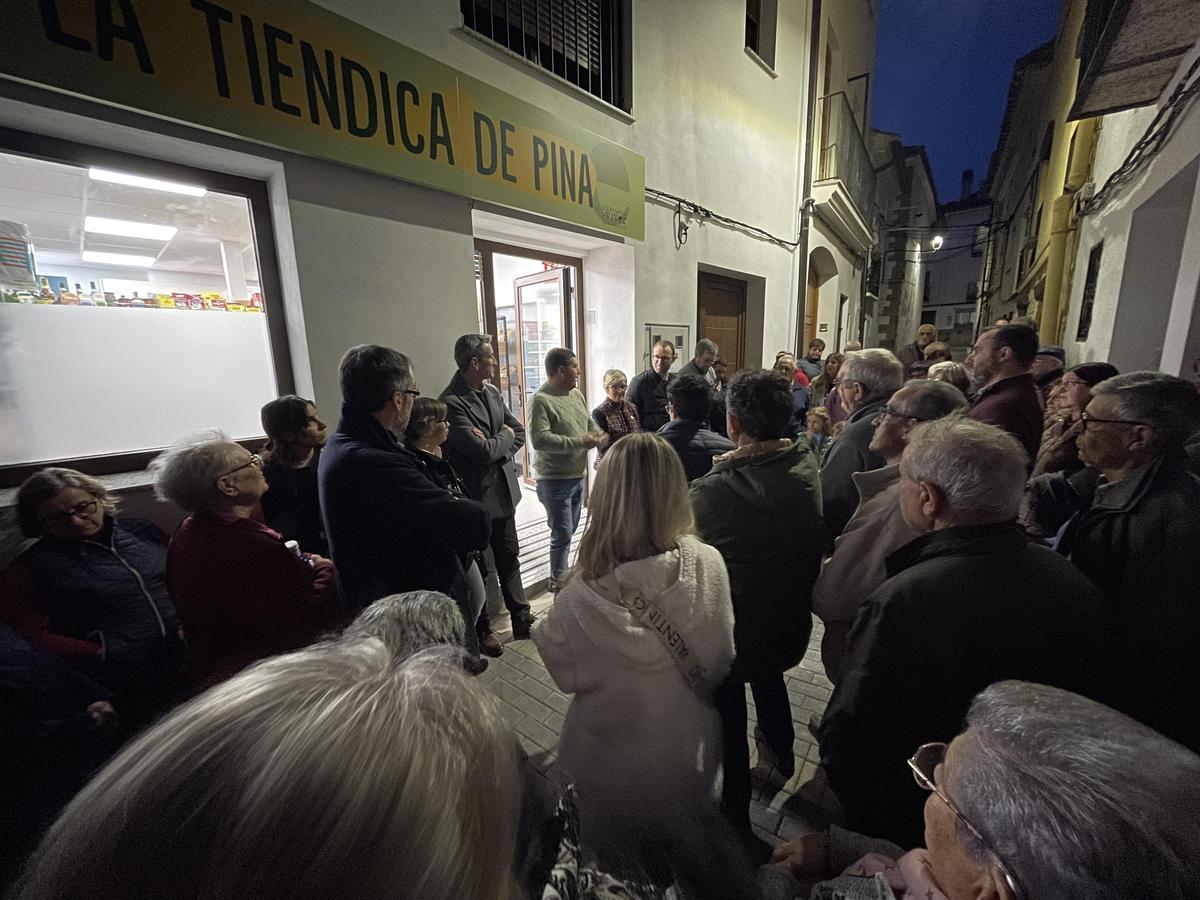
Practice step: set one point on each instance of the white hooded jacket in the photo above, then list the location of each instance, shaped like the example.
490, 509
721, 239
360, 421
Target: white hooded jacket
633, 714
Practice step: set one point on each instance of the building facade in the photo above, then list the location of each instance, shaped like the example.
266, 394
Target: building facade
954, 274
352, 172
908, 210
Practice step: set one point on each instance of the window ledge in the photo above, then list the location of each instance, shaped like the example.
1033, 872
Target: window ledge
502, 52
766, 66
117, 483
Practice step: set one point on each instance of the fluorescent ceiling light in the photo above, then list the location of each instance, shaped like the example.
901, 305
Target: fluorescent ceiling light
118, 259
150, 184
101, 225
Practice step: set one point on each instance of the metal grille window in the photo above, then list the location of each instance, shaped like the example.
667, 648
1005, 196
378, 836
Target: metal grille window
585, 42
1089, 293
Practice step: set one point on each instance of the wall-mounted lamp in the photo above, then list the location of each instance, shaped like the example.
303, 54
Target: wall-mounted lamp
937, 242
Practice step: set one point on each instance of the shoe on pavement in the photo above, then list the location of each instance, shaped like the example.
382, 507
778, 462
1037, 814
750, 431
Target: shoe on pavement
474, 665
779, 766
490, 645
521, 627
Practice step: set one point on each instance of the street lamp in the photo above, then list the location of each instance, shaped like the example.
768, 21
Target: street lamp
937, 242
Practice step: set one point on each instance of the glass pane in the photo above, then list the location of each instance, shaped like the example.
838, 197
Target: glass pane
141, 321
541, 328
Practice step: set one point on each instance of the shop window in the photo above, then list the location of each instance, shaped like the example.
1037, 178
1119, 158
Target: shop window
140, 303
586, 42
1089, 293
760, 29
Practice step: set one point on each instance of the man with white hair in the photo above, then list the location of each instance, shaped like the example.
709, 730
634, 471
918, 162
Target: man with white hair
877, 528
865, 382
1136, 538
1045, 794
969, 603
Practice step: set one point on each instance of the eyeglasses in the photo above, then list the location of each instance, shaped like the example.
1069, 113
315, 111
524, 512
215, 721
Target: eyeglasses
842, 382
1087, 418
83, 510
254, 460
888, 411
412, 392
668, 358
923, 764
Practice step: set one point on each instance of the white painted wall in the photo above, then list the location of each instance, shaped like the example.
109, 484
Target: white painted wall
1112, 224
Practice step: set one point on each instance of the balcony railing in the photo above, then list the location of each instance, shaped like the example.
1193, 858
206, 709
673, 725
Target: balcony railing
843, 153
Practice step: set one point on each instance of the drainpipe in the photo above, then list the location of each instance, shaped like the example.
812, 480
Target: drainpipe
807, 204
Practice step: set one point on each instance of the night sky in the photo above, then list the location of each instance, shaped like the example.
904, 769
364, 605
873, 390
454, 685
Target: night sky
942, 69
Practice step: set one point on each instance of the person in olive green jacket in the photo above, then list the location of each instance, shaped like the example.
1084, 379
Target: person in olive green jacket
760, 506
561, 432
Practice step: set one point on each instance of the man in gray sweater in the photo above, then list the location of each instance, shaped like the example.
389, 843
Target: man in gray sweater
561, 432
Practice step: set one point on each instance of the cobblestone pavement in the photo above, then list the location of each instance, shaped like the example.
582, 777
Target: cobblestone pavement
535, 708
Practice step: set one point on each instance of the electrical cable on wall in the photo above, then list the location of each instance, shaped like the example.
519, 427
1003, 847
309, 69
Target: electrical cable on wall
1152, 141
682, 205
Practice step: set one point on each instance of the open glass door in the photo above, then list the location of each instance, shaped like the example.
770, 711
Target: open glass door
540, 302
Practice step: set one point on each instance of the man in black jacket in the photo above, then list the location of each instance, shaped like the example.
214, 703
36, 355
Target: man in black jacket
648, 390
484, 437
865, 382
390, 527
688, 432
1137, 539
969, 603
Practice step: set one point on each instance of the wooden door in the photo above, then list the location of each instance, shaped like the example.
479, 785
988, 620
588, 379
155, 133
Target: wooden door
810, 307
722, 317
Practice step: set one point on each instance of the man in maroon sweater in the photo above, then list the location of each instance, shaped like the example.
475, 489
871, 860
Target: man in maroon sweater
1007, 396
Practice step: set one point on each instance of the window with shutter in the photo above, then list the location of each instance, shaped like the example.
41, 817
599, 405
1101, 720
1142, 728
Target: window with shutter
585, 42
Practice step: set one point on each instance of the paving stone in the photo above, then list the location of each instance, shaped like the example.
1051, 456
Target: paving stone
535, 709
533, 688
538, 733
558, 702
764, 817
554, 721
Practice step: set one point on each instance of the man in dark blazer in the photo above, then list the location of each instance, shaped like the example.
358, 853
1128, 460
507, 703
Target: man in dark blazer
484, 437
391, 528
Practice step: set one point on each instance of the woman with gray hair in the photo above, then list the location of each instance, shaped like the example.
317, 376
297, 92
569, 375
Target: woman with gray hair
1045, 795
242, 593
93, 591
616, 416
411, 622
331, 772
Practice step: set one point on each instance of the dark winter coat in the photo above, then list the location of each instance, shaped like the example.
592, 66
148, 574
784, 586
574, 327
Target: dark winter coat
763, 512
102, 605
292, 507
648, 394
485, 465
390, 527
961, 609
696, 445
847, 455
1137, 541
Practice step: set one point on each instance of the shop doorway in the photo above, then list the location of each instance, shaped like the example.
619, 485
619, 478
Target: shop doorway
530, 304
721, 316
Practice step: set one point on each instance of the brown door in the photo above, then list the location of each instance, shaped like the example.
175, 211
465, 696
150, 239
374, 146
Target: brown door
722, 316
810, 308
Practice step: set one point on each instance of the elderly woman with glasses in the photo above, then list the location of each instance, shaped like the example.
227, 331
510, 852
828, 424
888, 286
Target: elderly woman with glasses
243, 593
93, 591
1045, 795
616, 416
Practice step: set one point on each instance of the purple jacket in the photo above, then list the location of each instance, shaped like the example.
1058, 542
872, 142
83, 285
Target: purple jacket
1014, 404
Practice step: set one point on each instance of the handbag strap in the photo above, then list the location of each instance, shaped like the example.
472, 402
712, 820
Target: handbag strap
650, 615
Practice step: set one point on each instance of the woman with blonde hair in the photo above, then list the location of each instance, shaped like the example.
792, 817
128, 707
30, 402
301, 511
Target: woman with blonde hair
616, 416
330, 772
641, 634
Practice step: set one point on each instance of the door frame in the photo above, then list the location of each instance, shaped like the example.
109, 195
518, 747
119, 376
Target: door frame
743, 288
573, 311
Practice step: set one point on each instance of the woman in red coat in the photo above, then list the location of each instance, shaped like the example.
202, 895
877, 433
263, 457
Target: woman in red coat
241, 593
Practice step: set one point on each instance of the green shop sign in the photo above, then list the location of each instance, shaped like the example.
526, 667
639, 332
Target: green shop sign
294, 75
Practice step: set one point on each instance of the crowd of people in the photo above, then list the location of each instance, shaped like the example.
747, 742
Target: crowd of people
276, 700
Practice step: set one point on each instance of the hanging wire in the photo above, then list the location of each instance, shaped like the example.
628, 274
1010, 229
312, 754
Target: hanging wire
1152, 141
689, 207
